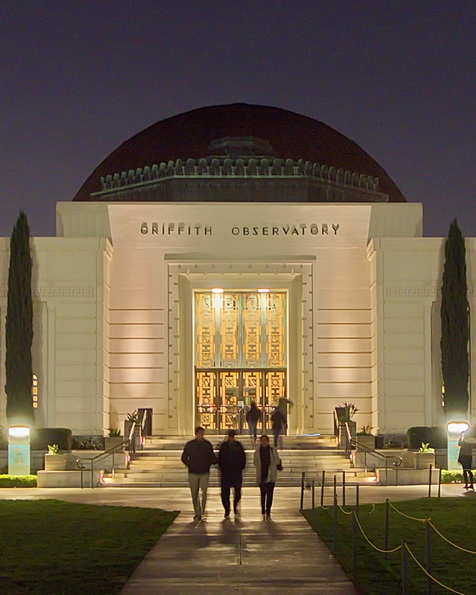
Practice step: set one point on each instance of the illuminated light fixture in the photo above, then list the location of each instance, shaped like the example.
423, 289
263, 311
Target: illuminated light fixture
218, 290
263, 290
18, 432
456, 427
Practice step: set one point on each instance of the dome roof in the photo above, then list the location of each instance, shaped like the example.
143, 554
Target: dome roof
284, 134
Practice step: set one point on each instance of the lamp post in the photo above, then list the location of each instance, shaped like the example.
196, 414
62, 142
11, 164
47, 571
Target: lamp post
453, 433
19, 450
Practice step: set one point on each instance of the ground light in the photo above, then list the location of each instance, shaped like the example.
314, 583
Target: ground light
453, 433
19, 450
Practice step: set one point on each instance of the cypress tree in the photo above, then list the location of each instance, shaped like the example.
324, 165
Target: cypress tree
455, 326
19, 327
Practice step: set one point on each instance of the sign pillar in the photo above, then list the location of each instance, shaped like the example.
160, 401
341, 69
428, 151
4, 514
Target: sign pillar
19, 450
454, 430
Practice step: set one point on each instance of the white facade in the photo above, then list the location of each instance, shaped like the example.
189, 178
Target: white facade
114, 313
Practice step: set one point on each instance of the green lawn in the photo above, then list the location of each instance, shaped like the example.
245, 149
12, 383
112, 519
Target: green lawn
455, 518
51, 547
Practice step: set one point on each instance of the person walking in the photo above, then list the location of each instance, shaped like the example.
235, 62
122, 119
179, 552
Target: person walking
466, 443
278, 422
267, 463
252, 417
232, 461
198, 456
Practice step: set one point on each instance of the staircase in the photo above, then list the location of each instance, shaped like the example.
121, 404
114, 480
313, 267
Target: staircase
159, 464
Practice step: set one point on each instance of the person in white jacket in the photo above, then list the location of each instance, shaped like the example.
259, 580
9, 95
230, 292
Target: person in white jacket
267, 463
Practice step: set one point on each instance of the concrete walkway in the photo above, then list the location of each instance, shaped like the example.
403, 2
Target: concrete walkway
246, 555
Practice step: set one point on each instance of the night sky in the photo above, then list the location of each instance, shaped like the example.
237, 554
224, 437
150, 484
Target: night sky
80, 77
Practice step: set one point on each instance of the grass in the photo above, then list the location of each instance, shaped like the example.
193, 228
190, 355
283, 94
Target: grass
453, 517
60, 548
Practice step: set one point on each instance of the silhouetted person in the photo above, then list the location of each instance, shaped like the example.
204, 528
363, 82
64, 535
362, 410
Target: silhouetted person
267, 463
198, 456
278, 423
232, 461
252, 417
467, 442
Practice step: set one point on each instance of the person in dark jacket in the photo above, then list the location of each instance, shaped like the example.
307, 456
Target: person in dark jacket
467, 443
278, 421
232, 461
252, 417
198, 456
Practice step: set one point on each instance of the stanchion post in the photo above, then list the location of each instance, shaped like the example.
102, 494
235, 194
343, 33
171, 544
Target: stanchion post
429, 481
354, 545
387, 522
322, 487
313, 486
357, 499
439, 482
303, 479
343, 488
405, 586
335, 512
428, 557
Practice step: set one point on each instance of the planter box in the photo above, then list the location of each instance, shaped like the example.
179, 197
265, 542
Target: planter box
365, 441
112, 441
425, 459
407, 477
56, 462
68, 479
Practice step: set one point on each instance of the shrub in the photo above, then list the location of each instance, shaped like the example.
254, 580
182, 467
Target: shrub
18, 481
43, 436
451, 476
435, 436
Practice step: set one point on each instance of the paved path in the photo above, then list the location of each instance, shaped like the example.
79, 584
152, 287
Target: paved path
242, 556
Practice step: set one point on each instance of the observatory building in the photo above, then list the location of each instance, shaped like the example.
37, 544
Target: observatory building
236, 253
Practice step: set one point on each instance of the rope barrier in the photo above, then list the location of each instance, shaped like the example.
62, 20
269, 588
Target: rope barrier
345, 511
428, 574
412, 518
458, 547
370, 543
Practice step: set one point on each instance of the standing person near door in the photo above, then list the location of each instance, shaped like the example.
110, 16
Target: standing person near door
278, 422
232, 461
252, 417
267, 463
198, 456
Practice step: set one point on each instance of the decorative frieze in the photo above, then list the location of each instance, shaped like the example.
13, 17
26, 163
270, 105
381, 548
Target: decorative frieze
423, 291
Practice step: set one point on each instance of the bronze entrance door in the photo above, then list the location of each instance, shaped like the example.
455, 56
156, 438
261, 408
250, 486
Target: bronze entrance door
224, 396
240, 349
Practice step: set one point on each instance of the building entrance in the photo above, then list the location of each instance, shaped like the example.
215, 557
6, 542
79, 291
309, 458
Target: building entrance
224, 396
240, 356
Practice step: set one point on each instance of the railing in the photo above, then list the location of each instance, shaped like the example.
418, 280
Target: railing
82, 463
351, 444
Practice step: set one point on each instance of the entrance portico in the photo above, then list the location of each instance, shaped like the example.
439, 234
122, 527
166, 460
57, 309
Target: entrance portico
235, 316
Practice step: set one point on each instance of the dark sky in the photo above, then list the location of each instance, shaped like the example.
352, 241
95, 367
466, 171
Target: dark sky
80, 77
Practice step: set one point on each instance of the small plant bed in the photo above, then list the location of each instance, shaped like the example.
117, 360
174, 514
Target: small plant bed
82, 549
18, 481
453, 517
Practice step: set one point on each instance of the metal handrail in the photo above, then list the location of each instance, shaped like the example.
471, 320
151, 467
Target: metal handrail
111, 451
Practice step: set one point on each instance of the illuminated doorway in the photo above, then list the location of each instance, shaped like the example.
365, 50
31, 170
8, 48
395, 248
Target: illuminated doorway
240, 356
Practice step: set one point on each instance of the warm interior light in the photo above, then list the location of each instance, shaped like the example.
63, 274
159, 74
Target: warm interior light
18, 431
456, 427
218, 290
263, 290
